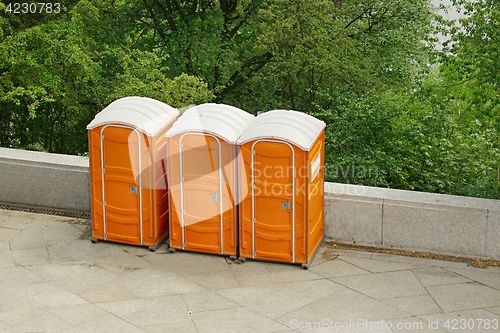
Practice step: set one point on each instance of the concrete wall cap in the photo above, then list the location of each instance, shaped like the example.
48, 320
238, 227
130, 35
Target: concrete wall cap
27, 157
392, 195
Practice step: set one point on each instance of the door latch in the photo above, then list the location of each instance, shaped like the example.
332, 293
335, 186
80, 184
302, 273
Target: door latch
133, 189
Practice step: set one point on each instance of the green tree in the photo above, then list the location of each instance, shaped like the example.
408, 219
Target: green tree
395, 118
356, 46
50, 86
449, 152
469, 75
209, 39
431, 129
471, 65
57, 75
141, 74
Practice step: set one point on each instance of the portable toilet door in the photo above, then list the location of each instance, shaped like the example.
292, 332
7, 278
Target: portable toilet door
128, 172
282, 214
202, 170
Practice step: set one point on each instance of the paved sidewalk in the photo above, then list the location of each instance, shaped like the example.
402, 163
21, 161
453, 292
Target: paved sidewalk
53, 279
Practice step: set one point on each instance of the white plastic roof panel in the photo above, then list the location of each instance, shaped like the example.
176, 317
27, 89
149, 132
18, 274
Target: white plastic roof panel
145, 114
295, 127
221, 120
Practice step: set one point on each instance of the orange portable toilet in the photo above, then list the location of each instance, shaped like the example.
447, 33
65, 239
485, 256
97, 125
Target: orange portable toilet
202, 171
128, 172
282, 214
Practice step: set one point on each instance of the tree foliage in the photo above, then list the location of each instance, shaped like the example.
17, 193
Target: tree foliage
439, 136
209, 39
355, 46
55, 76
398, 113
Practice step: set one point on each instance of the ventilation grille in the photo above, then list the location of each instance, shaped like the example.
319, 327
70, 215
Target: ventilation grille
45, 210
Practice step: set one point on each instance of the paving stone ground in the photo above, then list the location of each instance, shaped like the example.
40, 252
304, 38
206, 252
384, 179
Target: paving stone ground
53, 279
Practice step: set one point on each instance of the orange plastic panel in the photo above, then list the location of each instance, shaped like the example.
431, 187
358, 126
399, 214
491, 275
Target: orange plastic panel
160, 189
146, 176
202, 215
202, 182
273, 201
316, 218
202, 185
174, 182
274, 233
245, 206
123, 213
96, 184
301, 205
122, 209
229, 192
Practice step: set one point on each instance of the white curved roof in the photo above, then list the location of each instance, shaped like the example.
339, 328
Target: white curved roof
224, 121
145, 114
295, 127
